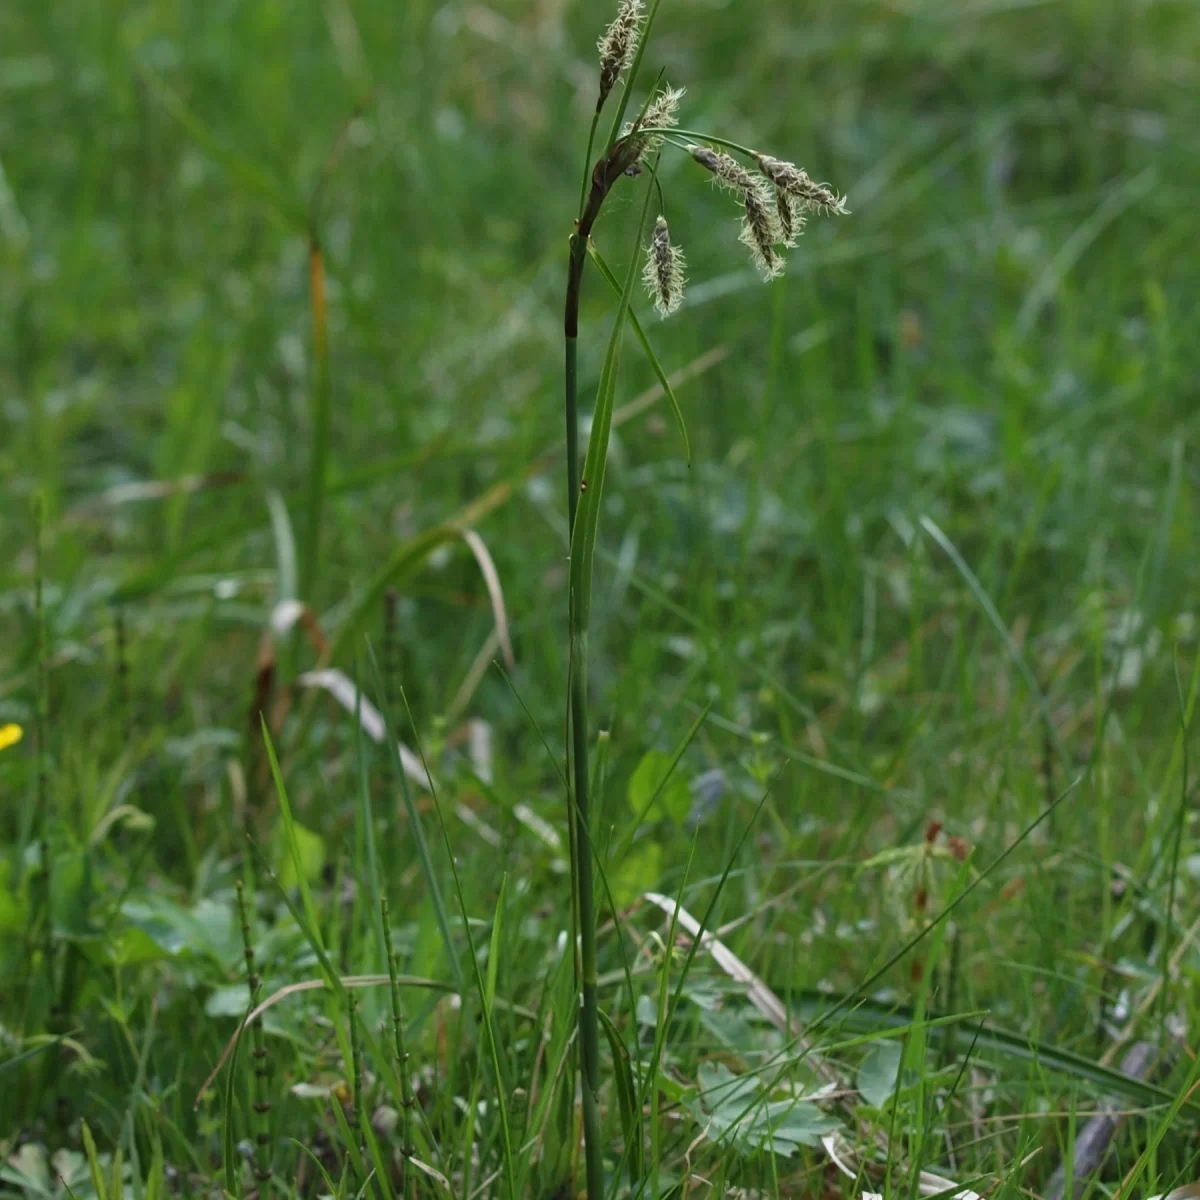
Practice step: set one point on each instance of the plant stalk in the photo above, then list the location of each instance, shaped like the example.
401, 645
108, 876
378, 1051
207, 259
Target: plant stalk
408, 1179
261, 1103
604, 175
321, 413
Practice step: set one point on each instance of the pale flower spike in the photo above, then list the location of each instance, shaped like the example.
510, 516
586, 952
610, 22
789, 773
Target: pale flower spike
618, 46
791, 223
664, 270
760, 233
661, 114
760, 228
794, 182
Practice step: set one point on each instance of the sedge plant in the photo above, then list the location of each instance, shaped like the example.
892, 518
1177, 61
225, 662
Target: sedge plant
775, 197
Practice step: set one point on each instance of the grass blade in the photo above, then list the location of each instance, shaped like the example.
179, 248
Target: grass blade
680, 750
414, 822
486, 995
651, 357
629, 1110
1014, 651
591, 485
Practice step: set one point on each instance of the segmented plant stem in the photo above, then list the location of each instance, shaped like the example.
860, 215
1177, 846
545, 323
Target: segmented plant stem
43, 815
407, 1100
261, 1102
322, 408
355, 1061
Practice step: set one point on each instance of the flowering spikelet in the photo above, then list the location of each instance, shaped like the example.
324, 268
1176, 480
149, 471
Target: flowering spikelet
618, 45
760, 229
663, 273
660, 114
791, 223
727, 171
759, 233
795, 183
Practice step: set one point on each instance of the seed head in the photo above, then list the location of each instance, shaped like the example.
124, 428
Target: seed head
796, 184
664, 270
726, 170
661, 113
618, 45
791, 223
662, 109
760, 228
759, 233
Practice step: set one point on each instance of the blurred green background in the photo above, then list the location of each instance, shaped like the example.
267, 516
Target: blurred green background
1000, 339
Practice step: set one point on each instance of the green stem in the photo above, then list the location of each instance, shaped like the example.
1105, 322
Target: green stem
572, 410
667, 130
587, 162
321, 410
261, 1104
604, 175
408, 1178
589, 1012
578, 816
43, 803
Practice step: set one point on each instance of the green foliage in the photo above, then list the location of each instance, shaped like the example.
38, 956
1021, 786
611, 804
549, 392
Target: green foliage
935, 547
737, 1109
656, 790
879, 1072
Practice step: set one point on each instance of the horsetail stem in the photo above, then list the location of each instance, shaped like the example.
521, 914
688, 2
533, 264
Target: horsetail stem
261, 1103
407, 1101
356, 1098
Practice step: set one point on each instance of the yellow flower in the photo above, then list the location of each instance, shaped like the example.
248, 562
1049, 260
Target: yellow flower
10, 735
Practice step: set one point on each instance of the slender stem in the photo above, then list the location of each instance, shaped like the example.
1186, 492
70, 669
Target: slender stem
587, 162
736, 147
606, 172
408, 1180
664, 995
589, 1012
578, 815
321, 411
261, 1103
356, 1092
572, 410
42, 802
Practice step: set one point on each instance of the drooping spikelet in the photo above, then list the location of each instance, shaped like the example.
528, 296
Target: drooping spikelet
791, 223
760, 228
795, 183
618, 46
664, 270
760, 233
726, 170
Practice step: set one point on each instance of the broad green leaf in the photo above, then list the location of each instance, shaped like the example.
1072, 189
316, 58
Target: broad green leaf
309, 856
208, 929
132, 947
640, 870
878, 1072
654, 775
735, 1109
14, 908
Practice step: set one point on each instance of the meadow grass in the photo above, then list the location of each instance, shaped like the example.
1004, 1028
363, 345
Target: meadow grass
890, 680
